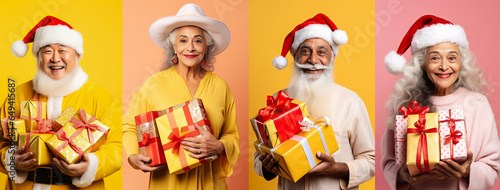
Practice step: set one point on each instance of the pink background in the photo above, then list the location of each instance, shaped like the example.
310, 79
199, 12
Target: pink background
394, 17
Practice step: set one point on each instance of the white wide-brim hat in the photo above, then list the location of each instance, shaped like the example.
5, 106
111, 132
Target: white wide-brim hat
191, 15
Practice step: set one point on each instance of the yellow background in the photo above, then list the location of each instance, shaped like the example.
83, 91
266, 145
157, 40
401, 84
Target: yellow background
271, 21
100, 23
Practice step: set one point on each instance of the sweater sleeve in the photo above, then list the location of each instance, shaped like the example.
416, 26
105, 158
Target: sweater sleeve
484, 143
388, 161
362, 168
229, 136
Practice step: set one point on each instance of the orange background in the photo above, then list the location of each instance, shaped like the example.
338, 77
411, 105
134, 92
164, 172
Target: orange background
142, 58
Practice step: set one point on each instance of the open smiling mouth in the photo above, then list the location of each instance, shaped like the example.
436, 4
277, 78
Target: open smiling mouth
443, 76
54, 68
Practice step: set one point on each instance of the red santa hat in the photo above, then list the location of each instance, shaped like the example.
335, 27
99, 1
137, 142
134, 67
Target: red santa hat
49, 30
427, 31
319, 26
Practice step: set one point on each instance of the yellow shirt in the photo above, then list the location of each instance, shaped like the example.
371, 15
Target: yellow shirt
166, 89
96, 102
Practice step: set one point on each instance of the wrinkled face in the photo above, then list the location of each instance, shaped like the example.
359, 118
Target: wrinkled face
57, 60
442, 65
314, 56
190, 45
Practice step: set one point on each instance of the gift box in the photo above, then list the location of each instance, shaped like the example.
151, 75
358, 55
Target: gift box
452, 133
64, 118
34, 142
12, 128
297, 155
400, 139
68, 144
178, 123
278, 121
92, 130
422, 143
33, 111
149, 138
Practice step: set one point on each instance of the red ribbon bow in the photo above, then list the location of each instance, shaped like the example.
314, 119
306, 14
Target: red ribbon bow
275, 105
87, 124
43, 127
413, 108
455, 135
61, 135
176, 139
422, 143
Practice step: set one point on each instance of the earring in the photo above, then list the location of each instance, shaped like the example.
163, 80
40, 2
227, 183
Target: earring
175, 60
205, 62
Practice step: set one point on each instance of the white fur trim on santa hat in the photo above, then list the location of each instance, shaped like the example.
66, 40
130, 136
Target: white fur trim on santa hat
88, 177
314, 31
17, 176
280, 62
19, 48
339, 37
58, 34
438, 33
394, 63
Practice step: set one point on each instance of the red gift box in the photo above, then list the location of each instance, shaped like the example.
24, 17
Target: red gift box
149, 140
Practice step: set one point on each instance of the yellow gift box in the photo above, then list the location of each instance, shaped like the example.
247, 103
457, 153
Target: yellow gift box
178, 123
67, 144
416, 136
64, 118
37, 146
297, 155
12, 128
33, 111
90, 128
265, 128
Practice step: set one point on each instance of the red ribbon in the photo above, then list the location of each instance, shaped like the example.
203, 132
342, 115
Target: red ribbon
413, 108
38, 113
422, 143
275, 105
176, 139
61, 135
87, 124
455, 135
43, 127
152, 151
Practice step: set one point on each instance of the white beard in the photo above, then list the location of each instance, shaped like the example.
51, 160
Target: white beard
314, 90
47, 86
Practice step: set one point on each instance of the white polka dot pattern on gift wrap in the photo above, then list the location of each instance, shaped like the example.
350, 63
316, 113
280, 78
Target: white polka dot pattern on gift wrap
460, 148
400, 139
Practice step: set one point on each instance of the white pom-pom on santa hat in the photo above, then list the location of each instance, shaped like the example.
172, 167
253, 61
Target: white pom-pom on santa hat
394, 63
19, 48
320, 26
280, 62
427, 31
339, 37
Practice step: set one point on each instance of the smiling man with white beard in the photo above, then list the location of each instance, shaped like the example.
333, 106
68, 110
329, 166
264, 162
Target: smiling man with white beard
314, 45
61, 82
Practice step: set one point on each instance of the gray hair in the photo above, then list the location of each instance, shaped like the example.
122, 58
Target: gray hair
415, 85
170, 55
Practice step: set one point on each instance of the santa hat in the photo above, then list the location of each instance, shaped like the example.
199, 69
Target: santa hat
319, 26
427, 31
49, 30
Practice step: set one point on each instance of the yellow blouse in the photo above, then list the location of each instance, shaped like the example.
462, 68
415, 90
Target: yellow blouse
96, 102
166, 89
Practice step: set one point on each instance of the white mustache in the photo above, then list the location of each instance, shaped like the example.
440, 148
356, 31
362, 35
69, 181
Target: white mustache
311, 66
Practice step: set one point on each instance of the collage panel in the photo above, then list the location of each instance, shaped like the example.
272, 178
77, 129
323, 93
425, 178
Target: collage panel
65, 77
433, 78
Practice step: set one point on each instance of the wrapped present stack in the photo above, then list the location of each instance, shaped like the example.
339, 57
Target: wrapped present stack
34, 142
452, 133
278, 121
92, 130
149, 138
33, 111
178, 123
64, 118
297, 155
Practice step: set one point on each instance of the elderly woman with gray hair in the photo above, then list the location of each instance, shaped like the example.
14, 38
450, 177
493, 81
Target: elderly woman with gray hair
190, 40
442, 75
